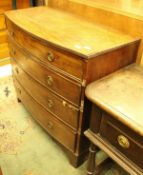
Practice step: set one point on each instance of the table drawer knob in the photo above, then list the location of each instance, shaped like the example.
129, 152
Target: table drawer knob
50, 103
49, 80
50, 125
50, 57
123, 141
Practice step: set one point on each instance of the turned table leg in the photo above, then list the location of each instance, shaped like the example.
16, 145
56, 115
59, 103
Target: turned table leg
91, 165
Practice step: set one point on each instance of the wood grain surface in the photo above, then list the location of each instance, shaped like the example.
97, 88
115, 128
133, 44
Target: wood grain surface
125, 16
130, 7
69, 31
55, 105
46, 119
63, 60
121, 94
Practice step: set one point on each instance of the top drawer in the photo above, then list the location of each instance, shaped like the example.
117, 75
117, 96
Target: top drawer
44, 52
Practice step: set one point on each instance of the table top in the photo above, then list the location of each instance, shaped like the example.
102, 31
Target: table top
69, 31
121, 95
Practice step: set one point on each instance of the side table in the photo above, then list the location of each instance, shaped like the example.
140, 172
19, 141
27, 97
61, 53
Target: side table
116, 125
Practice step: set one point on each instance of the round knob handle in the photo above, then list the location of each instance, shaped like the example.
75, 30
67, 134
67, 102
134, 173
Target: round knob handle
49, 80
50, 103
50, 125
123, 141
50, 57
64, 103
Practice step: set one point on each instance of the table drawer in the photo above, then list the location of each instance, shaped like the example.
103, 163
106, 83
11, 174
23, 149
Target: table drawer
59, 107
54, 127
54, 81
123, 138
47, 54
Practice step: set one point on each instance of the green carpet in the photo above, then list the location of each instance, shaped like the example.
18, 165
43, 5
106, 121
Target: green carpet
25, 148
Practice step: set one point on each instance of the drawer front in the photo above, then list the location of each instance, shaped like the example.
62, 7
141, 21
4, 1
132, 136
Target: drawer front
45, 53
51, 102
57, 83
54, 127
124, 139
2, 22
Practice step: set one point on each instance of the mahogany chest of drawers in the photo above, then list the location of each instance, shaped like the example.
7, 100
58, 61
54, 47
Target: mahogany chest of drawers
54, 56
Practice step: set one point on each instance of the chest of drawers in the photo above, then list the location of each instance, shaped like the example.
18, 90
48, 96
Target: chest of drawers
54, 56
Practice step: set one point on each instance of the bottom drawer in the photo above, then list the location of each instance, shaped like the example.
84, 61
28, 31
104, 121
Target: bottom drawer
54, 127
123, 138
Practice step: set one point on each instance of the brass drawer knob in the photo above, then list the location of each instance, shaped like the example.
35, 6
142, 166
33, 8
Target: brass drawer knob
49, 80
50, 103
123, 141
64, 103
50, 57
50, 125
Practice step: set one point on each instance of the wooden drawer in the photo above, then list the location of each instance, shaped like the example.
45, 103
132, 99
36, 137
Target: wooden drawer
56, 82
45, 53
54, 127
57, 106
2, 22
123, 138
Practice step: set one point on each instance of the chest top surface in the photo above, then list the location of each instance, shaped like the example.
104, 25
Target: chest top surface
68, 31
131, 7
121, 94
